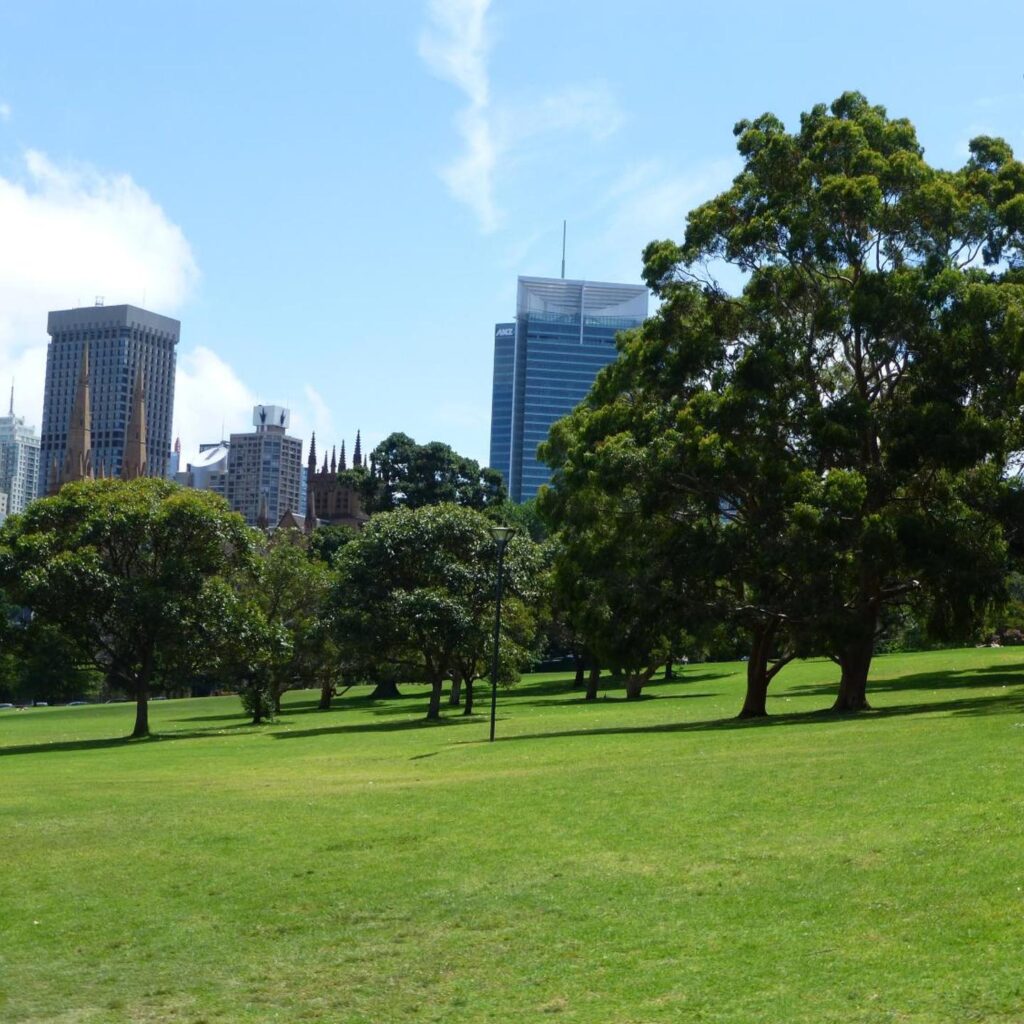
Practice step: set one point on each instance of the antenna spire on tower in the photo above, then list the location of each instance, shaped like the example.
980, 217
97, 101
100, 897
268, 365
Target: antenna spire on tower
563, 250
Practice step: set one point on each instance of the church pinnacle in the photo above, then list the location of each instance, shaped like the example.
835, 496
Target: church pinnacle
78, 453
134, 462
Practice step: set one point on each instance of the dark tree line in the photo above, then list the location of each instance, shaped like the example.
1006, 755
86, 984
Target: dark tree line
142, 588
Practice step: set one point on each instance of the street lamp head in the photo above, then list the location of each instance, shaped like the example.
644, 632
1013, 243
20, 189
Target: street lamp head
502, 534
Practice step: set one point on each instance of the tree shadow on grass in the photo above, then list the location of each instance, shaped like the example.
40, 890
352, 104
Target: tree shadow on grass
357, 727
952, 679
119, 741
968, 706
303, 707
606, 698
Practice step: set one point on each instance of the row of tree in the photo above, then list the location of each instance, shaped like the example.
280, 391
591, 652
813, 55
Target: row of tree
152, 588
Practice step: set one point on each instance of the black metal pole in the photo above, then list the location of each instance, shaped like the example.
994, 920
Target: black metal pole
497, 638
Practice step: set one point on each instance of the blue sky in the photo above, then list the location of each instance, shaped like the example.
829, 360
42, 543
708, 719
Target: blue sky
335, 198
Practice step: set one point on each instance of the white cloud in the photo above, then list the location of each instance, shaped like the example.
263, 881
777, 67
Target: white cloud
70, 234
455, 49
5, 111
456, 46
210, 400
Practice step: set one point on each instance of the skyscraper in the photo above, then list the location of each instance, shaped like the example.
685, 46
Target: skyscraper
545, 363
19, 460
124, 345
265, 468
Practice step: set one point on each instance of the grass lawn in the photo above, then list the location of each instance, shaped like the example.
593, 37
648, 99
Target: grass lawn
612, 863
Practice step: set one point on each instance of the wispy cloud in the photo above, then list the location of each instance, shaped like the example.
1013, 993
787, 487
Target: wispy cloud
319, 413
650, 200
591, 109
455, 48
5, 111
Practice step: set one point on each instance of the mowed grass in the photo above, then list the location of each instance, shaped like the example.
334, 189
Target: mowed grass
613, 862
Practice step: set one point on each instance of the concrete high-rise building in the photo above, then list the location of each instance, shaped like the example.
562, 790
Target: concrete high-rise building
545, 363
265, 468
124, 344
208, 471
19, 461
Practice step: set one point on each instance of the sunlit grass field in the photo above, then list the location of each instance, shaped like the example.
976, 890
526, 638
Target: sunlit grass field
614, 862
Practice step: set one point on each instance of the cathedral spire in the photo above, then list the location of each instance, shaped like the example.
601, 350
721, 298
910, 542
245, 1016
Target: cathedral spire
342, 466
263, 516
334, 461
310, 524
78, 452
357, 452
134, 461
311, 461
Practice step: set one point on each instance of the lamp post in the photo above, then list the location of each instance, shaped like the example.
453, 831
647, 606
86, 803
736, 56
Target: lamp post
501, 535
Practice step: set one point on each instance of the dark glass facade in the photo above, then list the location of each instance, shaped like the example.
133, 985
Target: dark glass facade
563, 336
501, 396
121, 340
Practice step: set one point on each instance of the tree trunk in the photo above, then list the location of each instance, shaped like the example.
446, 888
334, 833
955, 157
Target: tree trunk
141, 729
855, 662
434, 707
593, 678
141, 688
468, 706
385, 690
326, 693
669, 663
634, 686
755, 702
455, 696
581, 673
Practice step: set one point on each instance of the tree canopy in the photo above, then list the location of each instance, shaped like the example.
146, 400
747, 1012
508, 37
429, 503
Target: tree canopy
124, 572
404, 474
414, 598
847, 421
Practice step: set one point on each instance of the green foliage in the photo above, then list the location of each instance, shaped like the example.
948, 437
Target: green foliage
123, 572
405, 474
525, 517
843, 428
415, 598
327, 541
291, 591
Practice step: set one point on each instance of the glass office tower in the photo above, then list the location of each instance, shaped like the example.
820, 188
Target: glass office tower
121, 340
545, 363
